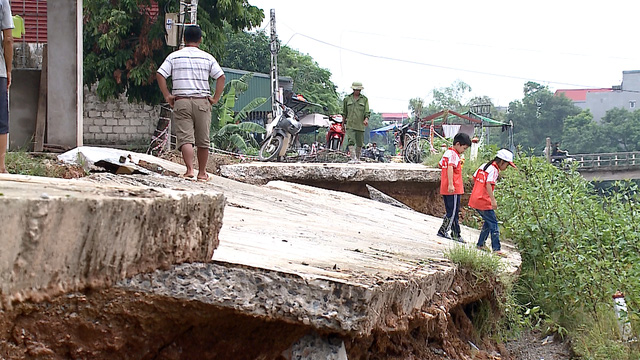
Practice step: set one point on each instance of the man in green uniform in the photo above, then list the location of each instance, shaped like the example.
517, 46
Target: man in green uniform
355, 112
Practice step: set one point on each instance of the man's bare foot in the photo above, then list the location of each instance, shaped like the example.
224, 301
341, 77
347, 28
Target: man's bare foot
3, 171
188, 176
203, 178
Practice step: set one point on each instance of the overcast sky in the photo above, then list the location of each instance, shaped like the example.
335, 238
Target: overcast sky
405, 48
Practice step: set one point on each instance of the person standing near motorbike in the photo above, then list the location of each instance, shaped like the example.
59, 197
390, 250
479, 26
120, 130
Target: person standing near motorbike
355, 113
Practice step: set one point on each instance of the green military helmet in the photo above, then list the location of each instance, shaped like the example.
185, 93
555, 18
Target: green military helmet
357, 85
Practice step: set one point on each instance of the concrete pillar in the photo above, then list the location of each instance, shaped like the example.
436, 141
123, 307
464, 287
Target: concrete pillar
64, 102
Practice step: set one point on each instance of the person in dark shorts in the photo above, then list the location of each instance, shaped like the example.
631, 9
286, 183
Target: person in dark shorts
6, 58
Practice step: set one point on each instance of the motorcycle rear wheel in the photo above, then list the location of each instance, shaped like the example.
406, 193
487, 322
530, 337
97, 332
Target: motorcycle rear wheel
270, 148
334, 144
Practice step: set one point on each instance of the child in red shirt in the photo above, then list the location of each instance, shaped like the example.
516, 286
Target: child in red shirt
483, 200
451, 186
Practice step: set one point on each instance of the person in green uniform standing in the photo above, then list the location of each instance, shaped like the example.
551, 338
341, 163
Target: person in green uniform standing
355, 112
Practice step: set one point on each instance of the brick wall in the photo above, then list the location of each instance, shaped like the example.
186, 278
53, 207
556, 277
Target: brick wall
117, 122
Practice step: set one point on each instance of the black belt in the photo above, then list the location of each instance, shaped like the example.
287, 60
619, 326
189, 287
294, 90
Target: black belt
191, 97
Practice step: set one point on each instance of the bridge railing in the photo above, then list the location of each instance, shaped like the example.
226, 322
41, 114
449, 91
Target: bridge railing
620, 159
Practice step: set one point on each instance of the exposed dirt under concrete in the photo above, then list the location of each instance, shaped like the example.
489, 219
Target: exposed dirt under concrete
441, 330
116, 324
424, 197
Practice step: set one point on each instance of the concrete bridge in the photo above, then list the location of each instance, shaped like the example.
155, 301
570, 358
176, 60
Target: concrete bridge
609, 166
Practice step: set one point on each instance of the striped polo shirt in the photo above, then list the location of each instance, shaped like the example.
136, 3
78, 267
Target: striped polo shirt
190, 69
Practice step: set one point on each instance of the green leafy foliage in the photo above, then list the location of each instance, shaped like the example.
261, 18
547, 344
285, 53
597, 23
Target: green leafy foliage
597, 338
578, 247
124, 45
247, 51
416, 106
375, 122
228, 132
539, 115
448, 98
250, 52
582, 135
309, 78
618, 131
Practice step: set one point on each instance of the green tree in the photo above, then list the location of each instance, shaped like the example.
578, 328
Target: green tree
450, 98
250, 52
416, 106
246, 51
539, 115
124, 45
309, 78
581, 134
621, 129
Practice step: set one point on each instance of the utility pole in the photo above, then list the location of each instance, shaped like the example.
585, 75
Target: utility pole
187, 7
275, 47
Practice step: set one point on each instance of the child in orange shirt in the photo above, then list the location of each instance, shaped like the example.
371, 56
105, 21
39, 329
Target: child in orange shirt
483, 200
451, 186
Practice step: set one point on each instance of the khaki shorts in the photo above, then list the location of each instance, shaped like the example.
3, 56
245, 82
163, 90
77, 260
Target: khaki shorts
192, 119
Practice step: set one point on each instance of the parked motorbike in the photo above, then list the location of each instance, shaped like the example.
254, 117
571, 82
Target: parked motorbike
335, 135
373, 152
279, 134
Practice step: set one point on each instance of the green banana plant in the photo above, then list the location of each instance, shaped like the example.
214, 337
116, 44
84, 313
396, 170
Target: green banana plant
227, 131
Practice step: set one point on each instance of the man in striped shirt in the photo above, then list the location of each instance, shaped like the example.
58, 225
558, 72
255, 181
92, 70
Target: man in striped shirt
190, 98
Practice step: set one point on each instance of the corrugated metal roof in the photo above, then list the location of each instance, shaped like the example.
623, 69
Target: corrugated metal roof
34, 13
259, 86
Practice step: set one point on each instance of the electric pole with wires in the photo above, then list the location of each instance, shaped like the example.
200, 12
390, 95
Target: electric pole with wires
274, 47
174, 27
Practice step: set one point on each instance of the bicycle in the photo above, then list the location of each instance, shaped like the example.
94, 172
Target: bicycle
418, 148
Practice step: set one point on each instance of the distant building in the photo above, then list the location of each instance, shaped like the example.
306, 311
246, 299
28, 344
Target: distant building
599, 101
394, 118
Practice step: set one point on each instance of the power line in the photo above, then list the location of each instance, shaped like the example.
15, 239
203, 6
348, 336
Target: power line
435, 65
445, 67
555, 53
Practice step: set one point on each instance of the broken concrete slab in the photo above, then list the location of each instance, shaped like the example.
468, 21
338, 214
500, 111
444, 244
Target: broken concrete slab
260, 173
293, 260
377, 195
116, 161
61, 235
330, 260
414, 185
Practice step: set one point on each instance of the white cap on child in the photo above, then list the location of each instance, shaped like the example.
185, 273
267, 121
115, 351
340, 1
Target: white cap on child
507, 156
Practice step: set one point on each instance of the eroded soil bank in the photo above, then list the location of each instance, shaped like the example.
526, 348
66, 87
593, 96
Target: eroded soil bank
119, 324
